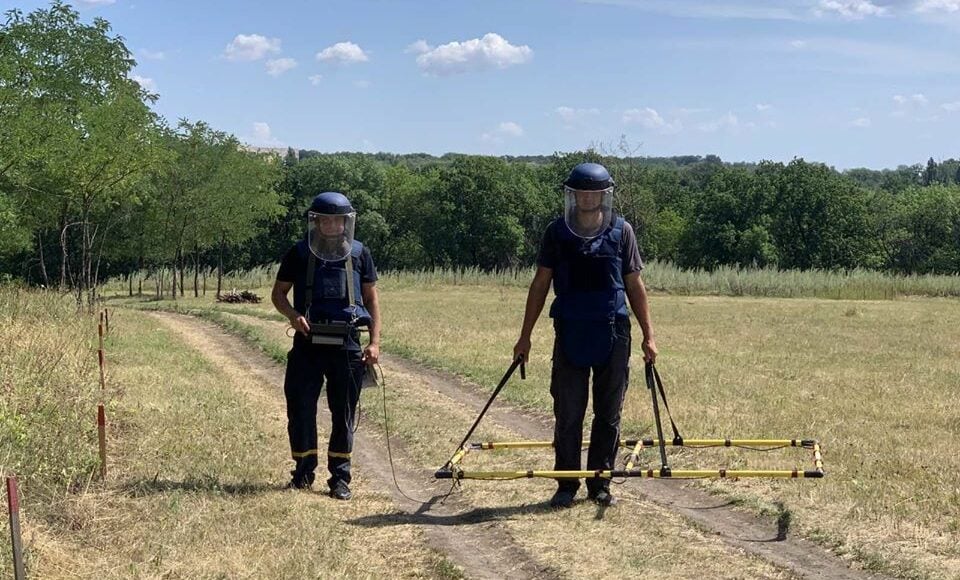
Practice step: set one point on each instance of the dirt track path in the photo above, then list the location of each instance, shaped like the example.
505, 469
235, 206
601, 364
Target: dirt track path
764, 537
484, 550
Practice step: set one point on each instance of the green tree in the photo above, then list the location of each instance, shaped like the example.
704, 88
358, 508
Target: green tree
929, 235
930, 176
75, 130
818, 217
731, 223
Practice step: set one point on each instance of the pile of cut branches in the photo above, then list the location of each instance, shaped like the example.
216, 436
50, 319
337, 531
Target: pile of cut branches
235, 297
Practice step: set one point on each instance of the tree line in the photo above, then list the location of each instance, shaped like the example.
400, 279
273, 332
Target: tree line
93, 184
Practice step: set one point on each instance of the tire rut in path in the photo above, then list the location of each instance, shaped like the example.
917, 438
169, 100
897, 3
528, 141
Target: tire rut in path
482, 549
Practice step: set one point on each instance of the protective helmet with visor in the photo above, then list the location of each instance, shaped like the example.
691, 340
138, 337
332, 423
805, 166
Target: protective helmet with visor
588, 193
330, 226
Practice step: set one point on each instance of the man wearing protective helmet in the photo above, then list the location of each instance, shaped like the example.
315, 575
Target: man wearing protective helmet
591, 256
334, 294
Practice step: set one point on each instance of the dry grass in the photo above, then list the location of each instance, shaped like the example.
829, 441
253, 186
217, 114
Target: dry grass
876, 382
198, 460
50, 388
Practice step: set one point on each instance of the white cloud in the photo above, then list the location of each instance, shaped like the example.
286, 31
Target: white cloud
343, 53
798, 43
728, 122
569, 115
853, 9
418, 47
686, 111
503, 130
251, 47
490, 51
651, 119
951, 107
263, 136
276, 67
511, 129
315, 79
146, 83
916, 99
152, 54
937, 6
862, 122
764, 107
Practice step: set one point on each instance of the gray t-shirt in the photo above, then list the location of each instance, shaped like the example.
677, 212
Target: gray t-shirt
629, 252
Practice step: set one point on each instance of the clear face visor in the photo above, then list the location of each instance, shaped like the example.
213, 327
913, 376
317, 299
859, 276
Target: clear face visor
330, 236
588, 213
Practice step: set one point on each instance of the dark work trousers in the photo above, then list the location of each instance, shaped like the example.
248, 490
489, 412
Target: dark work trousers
307, 367
569, 386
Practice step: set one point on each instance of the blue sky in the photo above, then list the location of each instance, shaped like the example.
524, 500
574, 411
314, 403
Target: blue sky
851, 83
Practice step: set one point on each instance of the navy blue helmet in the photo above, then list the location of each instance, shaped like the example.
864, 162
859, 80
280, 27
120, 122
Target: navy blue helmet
589, 177
331, 203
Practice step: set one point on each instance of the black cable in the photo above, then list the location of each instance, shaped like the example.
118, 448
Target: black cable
386, 432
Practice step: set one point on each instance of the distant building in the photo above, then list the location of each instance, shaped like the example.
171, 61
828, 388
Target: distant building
280, 152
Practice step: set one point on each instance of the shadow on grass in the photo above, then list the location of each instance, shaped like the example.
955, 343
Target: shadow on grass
423, 516
145, 487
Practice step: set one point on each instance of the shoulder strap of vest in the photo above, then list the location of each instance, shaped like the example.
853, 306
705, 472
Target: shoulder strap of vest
308, 295
350, 289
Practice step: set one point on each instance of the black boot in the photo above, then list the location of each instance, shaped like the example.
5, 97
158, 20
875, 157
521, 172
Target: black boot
300, 480
340, 490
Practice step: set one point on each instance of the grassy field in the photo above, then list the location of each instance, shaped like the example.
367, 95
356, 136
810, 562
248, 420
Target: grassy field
874, 381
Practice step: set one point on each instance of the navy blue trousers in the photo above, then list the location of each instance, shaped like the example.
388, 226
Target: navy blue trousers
570, 388
309, 367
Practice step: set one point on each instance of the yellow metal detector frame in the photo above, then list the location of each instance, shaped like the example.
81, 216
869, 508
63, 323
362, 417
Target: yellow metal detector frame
453, 470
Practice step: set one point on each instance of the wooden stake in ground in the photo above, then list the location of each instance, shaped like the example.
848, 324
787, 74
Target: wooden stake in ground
102, 438
13, 505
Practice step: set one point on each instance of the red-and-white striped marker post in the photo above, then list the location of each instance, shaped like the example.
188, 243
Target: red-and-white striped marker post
13, 505
103, 383
101, 414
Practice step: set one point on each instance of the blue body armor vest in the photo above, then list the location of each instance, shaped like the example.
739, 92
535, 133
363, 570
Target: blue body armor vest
329, 297
590, 295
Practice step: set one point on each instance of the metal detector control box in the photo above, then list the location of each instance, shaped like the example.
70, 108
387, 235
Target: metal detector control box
333, 333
